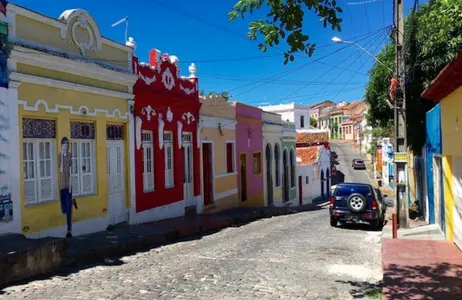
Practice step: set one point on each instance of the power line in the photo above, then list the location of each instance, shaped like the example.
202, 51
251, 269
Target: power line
338, 75
351, 78
283, 74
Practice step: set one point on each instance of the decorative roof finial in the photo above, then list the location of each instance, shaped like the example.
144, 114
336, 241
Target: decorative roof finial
192, 69
131, 43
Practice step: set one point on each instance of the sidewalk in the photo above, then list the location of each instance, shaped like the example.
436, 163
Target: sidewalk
25, 259
421, 269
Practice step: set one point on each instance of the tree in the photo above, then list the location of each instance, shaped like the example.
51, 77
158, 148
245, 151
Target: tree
313, 122
224, 94
284, 21
433, 36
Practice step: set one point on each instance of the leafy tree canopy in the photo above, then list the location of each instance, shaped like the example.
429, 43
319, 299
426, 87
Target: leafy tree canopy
433, 36
313, 122
284, 21
224, 94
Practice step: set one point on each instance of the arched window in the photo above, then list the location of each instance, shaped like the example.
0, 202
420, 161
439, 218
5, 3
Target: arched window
292, 167
277, 161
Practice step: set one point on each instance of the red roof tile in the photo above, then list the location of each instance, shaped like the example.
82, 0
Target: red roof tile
307, 155
311, 139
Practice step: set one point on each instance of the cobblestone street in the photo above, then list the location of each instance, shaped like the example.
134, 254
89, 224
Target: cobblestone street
288, 257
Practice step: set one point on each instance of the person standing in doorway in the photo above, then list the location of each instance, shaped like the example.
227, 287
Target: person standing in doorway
65, 165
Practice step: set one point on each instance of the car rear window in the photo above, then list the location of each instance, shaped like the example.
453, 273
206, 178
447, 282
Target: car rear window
346, 190
360, 161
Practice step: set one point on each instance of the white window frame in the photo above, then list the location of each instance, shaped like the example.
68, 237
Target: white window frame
169, 174
278, 165
148, 144
36, 170
77, 169
233, 156
292, 164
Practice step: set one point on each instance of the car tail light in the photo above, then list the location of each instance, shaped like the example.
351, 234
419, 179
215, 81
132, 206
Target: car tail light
374, 204
332, 201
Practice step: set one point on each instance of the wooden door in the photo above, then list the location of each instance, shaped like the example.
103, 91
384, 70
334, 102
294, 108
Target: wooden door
243, 176
207, 172
115, 180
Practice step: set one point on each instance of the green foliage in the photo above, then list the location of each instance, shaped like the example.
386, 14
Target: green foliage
376, 95
313, 122
284, 21
433, 36
224, 94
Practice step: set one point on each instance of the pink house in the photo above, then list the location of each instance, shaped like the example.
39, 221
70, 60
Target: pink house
249, 146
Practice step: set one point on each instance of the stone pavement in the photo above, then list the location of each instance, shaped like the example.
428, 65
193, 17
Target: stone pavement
421, 269
98, 246
297, 256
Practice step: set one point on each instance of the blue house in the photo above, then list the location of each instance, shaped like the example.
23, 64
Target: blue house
434, 168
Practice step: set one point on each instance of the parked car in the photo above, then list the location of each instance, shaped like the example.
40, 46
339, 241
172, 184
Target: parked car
358, 163
357, 202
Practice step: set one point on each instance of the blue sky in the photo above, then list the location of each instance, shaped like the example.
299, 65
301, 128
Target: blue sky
220, 48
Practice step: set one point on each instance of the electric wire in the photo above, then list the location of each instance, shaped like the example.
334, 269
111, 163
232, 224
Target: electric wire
325, 73
283, 74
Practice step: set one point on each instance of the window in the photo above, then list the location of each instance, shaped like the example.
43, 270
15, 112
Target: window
148, 160
257, 163
302, 121
39, 155
277, 161
83, 174
292, 168
168, 153
230, 164
307, 180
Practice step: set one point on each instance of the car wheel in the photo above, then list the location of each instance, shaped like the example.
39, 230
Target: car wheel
333, 221
356, 203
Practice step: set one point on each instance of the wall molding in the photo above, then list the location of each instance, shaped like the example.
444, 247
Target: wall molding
25, 78
79, 112
68, 65
225, 194
56, 23
225, 175
212, 122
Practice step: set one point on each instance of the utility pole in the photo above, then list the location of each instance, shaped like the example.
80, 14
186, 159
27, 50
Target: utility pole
400, 150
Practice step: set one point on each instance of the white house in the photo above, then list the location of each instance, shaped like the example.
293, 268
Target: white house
313, 166
313, 173
292, 112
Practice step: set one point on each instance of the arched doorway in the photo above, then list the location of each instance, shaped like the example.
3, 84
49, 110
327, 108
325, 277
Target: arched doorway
327, 183
285, 175
269, 174
322, 184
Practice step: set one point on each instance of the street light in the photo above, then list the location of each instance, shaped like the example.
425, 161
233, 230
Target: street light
338, 40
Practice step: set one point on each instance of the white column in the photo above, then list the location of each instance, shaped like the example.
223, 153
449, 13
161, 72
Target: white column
131, 149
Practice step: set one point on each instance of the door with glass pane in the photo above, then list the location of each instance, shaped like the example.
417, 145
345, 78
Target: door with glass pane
115, 180
188, 182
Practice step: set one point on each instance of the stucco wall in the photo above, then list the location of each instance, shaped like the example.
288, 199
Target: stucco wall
249, 140
272, 135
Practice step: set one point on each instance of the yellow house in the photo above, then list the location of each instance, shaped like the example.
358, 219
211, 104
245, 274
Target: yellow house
447, 90
69, 81
218, 154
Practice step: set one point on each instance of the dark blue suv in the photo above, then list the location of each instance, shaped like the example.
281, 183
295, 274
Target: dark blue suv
355, 202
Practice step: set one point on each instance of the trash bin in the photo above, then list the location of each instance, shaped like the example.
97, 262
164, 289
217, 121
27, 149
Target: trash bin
379, 182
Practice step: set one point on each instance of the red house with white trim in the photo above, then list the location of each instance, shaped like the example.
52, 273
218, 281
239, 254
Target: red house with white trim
166, 150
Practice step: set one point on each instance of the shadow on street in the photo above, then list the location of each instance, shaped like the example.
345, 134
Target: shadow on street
363, 289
